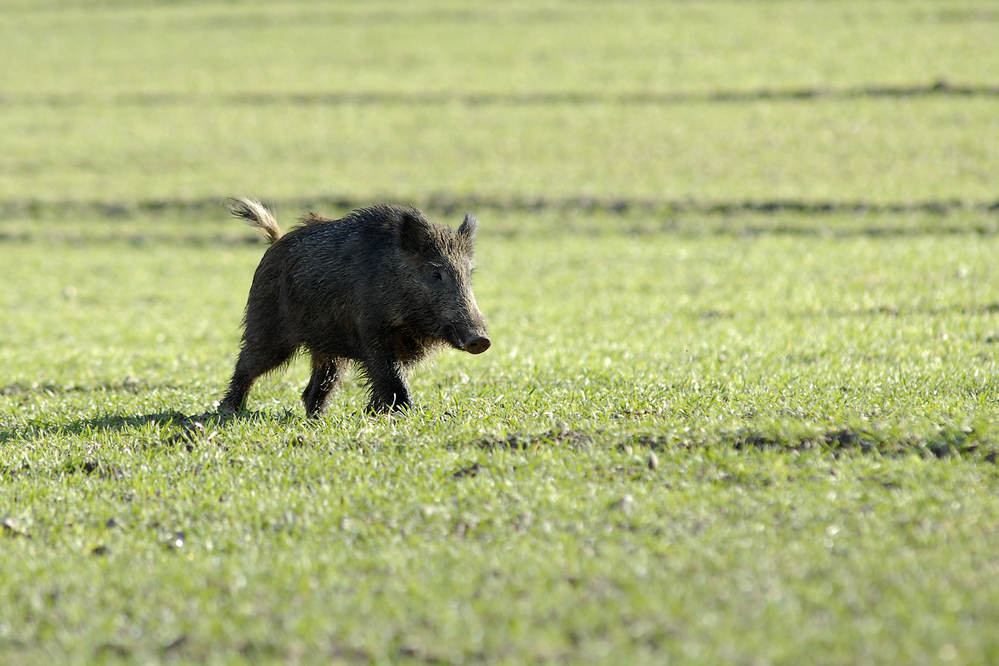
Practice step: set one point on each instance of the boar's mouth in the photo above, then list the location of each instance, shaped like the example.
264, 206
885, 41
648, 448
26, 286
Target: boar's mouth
471, 341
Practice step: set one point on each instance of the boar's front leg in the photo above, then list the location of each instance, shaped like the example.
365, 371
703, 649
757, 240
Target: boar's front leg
387, 380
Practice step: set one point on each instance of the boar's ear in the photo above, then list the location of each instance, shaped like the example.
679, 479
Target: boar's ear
468, 227
414, 232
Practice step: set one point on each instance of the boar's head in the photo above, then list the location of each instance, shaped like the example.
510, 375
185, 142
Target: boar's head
441, 259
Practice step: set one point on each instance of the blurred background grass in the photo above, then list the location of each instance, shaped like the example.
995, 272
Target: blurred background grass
137, 101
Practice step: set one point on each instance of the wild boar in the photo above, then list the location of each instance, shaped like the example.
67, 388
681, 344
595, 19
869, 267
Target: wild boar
383, 287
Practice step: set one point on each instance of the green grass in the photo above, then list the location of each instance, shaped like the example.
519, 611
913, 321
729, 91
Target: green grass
808, 427
880, 150
436, 45
706, 432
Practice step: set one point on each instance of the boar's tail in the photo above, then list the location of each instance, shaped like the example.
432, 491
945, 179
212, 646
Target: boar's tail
256, 215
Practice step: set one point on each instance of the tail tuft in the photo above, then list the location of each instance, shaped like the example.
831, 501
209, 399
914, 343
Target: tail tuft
256, 215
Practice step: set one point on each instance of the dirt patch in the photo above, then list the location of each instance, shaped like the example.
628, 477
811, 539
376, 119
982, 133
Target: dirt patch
466, 472
573, 439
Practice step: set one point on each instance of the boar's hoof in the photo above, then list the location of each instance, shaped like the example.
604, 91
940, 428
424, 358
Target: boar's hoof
476, 345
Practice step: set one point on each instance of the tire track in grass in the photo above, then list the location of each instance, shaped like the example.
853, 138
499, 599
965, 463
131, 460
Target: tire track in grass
450, 203
943, 442
938, 88
581, 215
48, 388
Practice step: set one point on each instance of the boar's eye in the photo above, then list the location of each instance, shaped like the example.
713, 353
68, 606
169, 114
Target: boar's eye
437, 274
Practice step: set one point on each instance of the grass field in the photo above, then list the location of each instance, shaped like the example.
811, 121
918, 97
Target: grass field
739, 266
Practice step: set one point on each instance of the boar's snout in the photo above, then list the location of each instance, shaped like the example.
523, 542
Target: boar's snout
476, 344
472, 339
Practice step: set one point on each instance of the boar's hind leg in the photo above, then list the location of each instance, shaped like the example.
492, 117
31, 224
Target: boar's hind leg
252, 362
325, 377
387, 379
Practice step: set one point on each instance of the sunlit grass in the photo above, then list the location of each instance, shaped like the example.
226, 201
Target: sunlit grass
669, 435
720, 422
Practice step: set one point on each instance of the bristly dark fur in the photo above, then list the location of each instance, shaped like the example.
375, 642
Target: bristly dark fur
382, 287
315, 218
